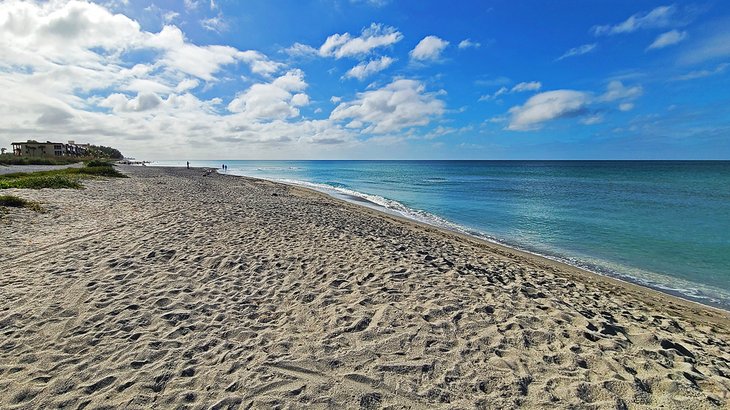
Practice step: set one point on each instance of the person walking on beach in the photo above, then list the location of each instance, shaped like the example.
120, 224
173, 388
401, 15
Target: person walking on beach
188, 164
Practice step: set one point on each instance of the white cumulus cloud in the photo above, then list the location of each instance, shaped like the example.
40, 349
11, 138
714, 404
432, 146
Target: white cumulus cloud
617, 91
552, 105
364, 70
300, 50
142, 102
259, 62
401, 104
77, 70
429, 48
547, 106
527, 86
345, 45
627, 106
217, 24
278, 99
467, 43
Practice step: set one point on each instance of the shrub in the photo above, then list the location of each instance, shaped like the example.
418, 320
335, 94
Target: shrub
16, 202
98, 163
101, 151
58, 178
12, 201
100, 171
30, 181
10, 159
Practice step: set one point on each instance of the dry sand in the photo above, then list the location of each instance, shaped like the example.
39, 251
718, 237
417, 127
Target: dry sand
174, 290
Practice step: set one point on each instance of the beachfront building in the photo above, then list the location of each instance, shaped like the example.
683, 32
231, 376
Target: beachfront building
32, 148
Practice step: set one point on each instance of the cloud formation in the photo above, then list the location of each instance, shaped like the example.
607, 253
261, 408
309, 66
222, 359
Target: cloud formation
519, 88
429, 48
217, 23
627, 106
553, 105
85, 71
579, 51
366, 69
374, 3
527, 86
615, 90
545, 107
713, 46
656, 18
142, 102
301, 50
467, 43
278, 99
65, 73
667, 39
401, 104
693, 75
345, 45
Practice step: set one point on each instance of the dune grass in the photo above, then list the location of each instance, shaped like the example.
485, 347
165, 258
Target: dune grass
13, 201
10, 159
98, 163
59, 178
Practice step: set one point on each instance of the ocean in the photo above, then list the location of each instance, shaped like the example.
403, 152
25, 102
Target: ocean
662, 224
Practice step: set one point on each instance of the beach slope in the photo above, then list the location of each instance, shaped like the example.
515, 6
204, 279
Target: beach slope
171, 289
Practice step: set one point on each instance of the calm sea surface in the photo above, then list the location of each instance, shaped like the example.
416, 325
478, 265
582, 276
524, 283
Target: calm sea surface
664, 224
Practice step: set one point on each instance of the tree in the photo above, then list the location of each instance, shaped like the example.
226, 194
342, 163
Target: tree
100, 151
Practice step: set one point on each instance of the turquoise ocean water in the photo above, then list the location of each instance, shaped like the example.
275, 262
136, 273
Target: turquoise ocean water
663, 224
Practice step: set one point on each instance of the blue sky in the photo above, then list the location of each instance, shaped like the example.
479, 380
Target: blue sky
359, 79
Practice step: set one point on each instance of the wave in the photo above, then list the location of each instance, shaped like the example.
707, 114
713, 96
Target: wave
382, 203
278, 168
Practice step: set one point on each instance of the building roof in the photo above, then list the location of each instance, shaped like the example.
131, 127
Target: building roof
41, 142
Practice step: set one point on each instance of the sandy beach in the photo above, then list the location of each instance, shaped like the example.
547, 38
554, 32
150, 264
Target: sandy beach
170, 289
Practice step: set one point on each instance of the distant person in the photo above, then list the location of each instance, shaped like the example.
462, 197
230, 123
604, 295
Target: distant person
188, 164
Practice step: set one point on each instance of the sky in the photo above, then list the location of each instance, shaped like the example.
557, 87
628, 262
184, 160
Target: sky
370, 79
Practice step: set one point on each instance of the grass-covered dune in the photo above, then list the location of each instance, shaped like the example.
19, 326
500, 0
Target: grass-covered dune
60, 178
10, 159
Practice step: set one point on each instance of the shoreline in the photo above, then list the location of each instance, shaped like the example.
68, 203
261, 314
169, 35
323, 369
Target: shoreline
624, 279
179, 288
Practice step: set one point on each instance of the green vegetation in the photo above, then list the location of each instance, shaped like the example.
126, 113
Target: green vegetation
31, 181
100, 151
59, 178
98, 163
10, 159
16, 202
